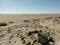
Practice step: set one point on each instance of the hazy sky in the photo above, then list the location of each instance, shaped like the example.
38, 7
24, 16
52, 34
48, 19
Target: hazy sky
29, 6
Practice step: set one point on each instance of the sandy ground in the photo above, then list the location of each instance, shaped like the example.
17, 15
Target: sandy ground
19, 24
20, 17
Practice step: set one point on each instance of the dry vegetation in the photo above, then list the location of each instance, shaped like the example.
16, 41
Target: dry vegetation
30, 30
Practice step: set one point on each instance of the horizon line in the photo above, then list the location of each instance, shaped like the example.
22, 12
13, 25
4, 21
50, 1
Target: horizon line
27, 13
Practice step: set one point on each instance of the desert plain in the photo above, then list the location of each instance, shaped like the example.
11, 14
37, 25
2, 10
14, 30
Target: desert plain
29, 29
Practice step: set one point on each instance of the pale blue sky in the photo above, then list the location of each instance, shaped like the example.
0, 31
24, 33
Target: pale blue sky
29, 6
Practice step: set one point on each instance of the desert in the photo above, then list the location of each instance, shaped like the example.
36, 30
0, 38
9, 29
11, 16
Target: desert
29, 29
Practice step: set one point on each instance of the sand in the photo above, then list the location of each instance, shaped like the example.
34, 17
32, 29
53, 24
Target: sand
18, 26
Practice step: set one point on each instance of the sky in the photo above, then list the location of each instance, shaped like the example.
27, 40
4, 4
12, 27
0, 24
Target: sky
30, 6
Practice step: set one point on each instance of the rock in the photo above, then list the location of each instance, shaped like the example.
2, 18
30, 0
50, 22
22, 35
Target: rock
10, 22
3, 24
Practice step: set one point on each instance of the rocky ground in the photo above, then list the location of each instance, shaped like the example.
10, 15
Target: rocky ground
44, 31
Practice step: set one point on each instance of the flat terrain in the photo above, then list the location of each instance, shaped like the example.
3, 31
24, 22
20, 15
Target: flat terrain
19, 17
30, 29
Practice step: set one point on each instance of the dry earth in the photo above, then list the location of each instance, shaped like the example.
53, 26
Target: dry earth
30, 29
